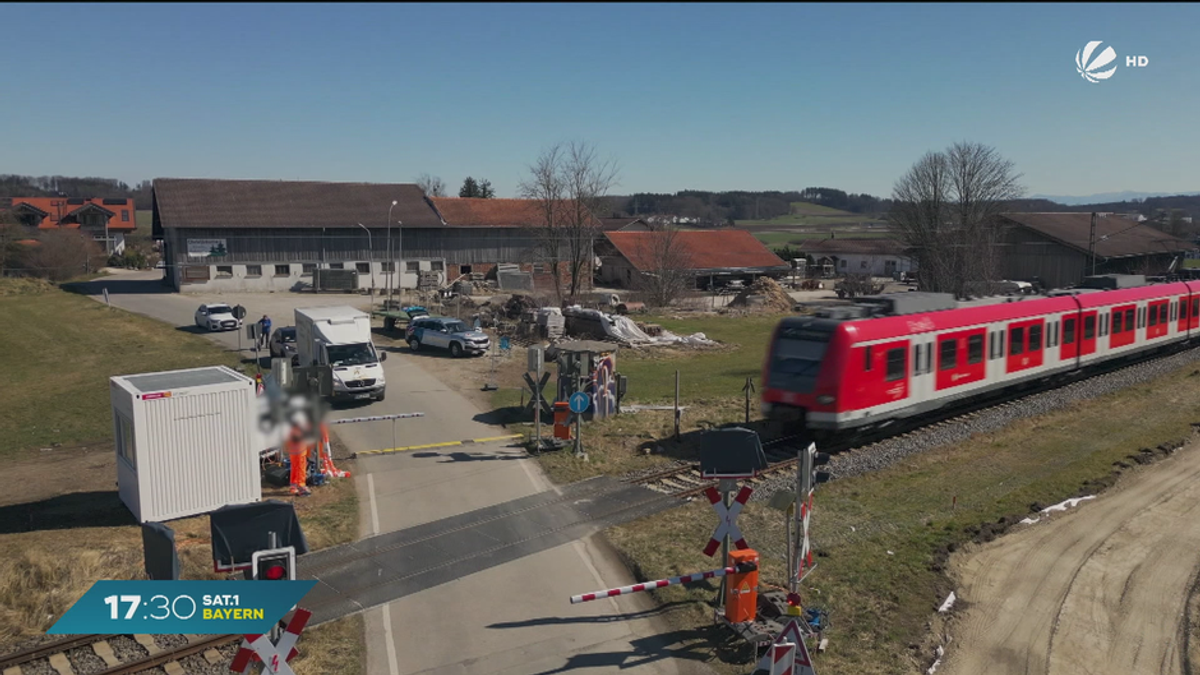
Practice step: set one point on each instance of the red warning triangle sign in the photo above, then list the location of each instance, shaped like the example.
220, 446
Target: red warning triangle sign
791, 633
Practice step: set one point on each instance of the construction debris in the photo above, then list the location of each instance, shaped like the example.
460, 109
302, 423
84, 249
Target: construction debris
764, 294
621, 329
517, 305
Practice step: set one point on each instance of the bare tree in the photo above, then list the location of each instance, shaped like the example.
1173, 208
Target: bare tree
670, 272
10, 233
432, 186
569, 185
946, 210
63, 254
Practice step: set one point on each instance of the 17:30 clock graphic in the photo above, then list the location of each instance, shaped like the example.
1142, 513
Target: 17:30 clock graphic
182, 607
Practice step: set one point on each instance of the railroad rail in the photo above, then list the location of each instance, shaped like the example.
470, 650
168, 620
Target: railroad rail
685, 482
56, 653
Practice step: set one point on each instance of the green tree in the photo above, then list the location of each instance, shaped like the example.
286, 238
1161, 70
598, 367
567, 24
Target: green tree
481, 189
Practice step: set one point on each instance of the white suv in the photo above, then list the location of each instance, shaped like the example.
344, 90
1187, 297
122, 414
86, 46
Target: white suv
217, 317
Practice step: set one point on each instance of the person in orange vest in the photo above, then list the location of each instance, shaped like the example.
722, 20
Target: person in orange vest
297, 450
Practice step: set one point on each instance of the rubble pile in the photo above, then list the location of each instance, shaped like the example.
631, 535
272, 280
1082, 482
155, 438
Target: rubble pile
517, 305
764, 294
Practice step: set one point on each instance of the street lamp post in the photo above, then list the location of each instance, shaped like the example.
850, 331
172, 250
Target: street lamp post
370, 258
400, 254
389, 253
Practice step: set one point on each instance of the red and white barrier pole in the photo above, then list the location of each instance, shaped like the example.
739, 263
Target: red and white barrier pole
650, 585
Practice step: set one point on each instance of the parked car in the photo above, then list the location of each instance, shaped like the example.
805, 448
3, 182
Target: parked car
445, 333
283, 344
217, 317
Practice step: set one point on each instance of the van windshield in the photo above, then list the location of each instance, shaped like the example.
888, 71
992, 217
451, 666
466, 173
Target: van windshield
359, 354
796, 359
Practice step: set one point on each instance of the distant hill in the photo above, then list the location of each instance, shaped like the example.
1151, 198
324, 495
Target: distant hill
1110, 197
1150, 207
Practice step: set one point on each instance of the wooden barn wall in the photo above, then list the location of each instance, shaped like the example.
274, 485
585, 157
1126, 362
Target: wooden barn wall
1025, 254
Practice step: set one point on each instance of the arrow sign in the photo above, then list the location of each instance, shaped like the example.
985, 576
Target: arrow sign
579, 402
728, 516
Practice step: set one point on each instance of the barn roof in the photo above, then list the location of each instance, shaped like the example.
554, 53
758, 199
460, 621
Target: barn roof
1116, 237
204, 203
479, 212
705, 249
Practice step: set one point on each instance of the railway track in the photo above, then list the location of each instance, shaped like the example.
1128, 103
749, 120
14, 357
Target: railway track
685, 482
102, 658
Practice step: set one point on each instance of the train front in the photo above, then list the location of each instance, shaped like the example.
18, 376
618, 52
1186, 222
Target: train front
800, 375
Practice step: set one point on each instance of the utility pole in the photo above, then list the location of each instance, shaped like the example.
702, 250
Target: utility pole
1092, 243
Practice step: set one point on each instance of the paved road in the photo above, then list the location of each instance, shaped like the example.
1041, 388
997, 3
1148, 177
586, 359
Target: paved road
510, 619
1101, 589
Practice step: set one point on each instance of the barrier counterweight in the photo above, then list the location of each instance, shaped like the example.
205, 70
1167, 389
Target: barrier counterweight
650, 585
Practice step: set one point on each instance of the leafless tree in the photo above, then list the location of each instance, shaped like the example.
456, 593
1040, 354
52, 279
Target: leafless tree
432, 186
946, 210
10, 233
670, 272
569, 186
64, 254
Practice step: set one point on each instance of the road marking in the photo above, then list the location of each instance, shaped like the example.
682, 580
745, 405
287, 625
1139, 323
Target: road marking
389, 643
374, 508
447, 444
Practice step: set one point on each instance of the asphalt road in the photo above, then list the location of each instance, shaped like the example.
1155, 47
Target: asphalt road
512, 619
1103, 588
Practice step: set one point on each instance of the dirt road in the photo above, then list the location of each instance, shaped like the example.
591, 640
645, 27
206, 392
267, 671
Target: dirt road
1102, 588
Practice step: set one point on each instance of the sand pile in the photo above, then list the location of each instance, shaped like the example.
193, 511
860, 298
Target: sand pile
764, 294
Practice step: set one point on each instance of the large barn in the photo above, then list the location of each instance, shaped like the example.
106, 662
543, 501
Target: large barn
1061, 248
262, 235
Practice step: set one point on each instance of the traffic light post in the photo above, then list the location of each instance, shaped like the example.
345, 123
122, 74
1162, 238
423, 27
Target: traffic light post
274, 564
807, 479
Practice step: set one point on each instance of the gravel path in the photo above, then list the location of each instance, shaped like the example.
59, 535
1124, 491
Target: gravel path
889, 451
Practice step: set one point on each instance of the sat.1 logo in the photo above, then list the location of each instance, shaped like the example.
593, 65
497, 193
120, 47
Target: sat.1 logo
1094, 68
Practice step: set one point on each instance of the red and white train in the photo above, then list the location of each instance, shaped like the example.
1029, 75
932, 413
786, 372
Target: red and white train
902, 355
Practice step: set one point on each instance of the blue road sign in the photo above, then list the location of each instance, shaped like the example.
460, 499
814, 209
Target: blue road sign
579, 402
504, 344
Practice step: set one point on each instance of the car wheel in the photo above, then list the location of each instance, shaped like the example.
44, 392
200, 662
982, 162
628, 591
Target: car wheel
414, 344
379, 397
455, 350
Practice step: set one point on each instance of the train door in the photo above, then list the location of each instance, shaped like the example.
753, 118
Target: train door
1087, 336
921, 378
1194, 312
1069, 337
1180, 307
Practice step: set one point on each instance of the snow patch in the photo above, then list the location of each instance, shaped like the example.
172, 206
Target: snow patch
940, 653
1070, 503
948, 603
1029, 521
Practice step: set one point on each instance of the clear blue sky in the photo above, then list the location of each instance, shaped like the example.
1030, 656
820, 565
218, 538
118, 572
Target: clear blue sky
704, 96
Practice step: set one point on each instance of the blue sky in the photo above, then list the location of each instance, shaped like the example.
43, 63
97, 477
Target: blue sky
704, 96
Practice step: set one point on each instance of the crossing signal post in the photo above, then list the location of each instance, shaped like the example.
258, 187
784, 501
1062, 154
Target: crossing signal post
807, 479
275, 564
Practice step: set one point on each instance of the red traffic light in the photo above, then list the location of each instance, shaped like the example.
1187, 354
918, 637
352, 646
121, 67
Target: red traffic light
274, 572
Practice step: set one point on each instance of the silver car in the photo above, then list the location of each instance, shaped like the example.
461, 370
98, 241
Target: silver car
283, 344
444, 333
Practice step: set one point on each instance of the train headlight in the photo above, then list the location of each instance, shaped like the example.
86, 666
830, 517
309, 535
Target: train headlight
825, 399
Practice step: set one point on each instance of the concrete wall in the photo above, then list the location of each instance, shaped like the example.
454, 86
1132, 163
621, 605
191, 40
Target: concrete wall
242, 279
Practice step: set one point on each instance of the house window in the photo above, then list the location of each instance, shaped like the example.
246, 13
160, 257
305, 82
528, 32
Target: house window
1035, 338
863, 264
224, 271
307, 269
438, 266
975, 349
1089, 327
948, 354
895, 364
1016, 341
464, 269
124, 215
540, 268
842, 263
254, 270
412, 266
336, 266
283, 270
387, 267
867, 359
125, 442
363, 268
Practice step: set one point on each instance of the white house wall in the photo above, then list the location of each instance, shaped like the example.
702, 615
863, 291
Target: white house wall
875, 265
239, 280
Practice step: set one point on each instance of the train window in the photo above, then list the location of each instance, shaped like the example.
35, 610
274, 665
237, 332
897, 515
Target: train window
928, 357
1183, 309
1089, 327
1141, 317
1116, 320
975, 349
895, 364
1069, 331
1174, 310
992, 340
948, 354
1129, 320
1195, 307
867, 354
1016, 341
1153, 316
1035, 338
1162, 313
916, 359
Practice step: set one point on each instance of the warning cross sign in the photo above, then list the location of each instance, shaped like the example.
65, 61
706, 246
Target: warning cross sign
799, 664
259, 647
728, 516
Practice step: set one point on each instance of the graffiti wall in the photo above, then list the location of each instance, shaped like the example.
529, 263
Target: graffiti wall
603, 387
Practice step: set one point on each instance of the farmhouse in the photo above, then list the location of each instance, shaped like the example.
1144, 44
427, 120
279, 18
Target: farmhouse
1062, 248
876, 257
713, 256
262, 235
107, 220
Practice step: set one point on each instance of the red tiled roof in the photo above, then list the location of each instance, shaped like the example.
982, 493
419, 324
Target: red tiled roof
477, 212
705, 249
61, 209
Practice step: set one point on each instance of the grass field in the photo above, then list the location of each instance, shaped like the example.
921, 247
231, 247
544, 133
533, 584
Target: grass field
59, 351
810, 209
881, 539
